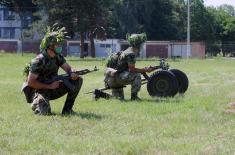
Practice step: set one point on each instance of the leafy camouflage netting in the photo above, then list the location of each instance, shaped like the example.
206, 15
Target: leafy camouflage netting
26, 69
136, 40
54, 35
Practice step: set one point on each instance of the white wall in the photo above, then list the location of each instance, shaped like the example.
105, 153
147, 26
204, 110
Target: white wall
73, 50
103, 48
179, 50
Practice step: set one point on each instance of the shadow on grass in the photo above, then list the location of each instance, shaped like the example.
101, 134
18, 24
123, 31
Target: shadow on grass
85, 115
176, 99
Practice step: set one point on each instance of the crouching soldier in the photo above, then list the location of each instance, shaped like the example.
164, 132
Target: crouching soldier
44, 67
121, 69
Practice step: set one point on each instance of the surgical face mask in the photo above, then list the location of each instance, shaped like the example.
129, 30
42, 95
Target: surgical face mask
58, 50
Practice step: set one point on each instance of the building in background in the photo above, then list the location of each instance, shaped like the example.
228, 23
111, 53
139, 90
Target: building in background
11, 25
13, 39
160, 49
150, 49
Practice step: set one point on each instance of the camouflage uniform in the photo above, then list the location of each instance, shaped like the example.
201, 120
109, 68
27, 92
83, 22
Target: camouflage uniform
46, 67
124, 77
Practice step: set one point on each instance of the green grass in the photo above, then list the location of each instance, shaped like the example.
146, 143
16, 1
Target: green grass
189, 124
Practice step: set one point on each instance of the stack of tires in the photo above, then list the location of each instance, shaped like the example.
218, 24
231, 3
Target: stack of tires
167, 83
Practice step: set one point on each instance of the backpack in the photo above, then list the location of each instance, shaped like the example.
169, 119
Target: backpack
112, 60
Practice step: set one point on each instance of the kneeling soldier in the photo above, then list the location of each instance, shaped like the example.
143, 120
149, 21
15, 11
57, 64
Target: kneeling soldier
121, 68
44, 67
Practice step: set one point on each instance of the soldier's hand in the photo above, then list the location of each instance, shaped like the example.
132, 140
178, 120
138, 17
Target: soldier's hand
55, 85
149, 69
74, 76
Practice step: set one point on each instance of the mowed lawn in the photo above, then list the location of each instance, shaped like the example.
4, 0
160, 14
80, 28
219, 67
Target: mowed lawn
191, 124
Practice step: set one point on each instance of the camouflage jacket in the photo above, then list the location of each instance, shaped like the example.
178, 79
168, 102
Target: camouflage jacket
126, 58
46, 67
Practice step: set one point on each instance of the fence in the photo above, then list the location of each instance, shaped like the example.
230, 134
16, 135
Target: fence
226, 48
162, 49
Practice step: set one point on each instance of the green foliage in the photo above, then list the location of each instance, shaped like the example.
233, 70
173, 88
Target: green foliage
26, 69
157, 18
224, 29
136, 40
76, 16
54, 35
160, 19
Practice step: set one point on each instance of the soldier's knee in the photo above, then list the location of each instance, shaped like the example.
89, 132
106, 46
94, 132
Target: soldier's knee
78, 84
41, 105
79, 81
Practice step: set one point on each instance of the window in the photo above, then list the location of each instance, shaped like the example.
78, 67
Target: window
108, 46
26, 23
105, 45
27, 20
102, 45
8, 15
8, 33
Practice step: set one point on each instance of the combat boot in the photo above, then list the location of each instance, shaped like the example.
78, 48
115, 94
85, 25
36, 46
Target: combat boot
68, 112
118, 94
67, 109
134, 97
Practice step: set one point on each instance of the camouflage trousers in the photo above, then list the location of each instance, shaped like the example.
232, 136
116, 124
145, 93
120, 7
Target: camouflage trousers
122, 79
41, 105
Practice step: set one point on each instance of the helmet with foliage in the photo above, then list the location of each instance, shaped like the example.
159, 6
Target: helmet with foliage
135, 40
54, 35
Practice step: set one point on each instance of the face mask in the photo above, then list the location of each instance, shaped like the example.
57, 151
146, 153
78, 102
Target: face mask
58, 50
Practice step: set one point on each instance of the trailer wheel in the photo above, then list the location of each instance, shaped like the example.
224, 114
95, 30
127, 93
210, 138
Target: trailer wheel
182, 80
162, 84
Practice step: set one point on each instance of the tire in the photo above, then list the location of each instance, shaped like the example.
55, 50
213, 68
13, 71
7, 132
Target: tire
162, 84
182, 80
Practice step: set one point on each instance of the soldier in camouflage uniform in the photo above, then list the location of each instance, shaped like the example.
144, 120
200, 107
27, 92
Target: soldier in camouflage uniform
44, 67
124, 71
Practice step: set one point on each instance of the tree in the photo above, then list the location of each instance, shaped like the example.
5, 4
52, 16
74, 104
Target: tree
227, 9
84, 16
158, 18
224, 28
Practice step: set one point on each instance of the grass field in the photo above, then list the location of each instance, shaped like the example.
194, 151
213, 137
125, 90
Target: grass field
189, 124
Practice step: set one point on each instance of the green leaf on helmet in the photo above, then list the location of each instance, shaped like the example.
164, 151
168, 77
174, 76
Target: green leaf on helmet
54, 35
136, 40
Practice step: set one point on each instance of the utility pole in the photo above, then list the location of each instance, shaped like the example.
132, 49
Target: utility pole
188, 32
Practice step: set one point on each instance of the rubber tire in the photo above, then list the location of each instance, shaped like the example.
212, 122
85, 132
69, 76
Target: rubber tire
165, 78
182, 80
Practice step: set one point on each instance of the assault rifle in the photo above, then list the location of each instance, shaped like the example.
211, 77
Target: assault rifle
65, 78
